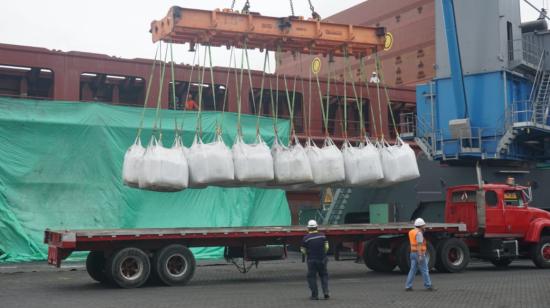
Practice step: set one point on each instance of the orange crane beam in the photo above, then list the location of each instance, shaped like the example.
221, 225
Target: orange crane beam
230, 28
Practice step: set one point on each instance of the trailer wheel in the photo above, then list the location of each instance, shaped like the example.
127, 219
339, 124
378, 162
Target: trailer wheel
95, 266
128, 267
174, 265
453, 255
404, 259
501, 263
540, 253
375, 259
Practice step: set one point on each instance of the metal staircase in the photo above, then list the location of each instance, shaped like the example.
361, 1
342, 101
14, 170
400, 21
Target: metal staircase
534, 114
541, 102
507, 140
337, 207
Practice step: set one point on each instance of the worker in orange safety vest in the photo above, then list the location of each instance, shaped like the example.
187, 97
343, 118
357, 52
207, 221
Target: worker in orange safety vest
190, 103
419, 258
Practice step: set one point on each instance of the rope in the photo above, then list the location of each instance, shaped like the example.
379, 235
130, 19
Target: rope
231, 55
358, 102
271, 96
259, 108
365, 81
379, 105
328, 93
212, 78
239, 93
173, 81
310, 98
198, 128
173, 92
275, 106
147, 92
323, 102
188, 87
381, 77
291, 7
305, 117
159, 99
345, 97
252, 87
290, 104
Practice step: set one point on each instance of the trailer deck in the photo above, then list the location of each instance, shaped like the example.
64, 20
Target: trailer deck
63, 242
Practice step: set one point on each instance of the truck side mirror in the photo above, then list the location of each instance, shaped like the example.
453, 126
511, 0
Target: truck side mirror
528, 194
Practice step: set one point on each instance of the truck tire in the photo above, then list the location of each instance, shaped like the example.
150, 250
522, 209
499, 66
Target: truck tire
540, 253
501, 263
404, 258
174, 265
95, 266
128, 267
376, 260
453, 256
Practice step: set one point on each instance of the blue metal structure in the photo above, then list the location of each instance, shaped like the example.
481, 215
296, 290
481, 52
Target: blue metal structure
454, 56
505, 104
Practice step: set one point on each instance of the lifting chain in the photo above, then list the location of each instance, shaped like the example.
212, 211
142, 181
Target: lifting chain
314, 14
233, 5
246, 8
291, 7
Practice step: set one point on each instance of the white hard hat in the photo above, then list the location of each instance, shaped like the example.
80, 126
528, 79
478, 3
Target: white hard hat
419, 222
312, 224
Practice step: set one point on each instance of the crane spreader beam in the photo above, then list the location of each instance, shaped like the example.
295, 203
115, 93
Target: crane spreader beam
229, 28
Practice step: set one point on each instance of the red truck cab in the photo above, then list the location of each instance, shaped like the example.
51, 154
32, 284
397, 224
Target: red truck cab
500, 223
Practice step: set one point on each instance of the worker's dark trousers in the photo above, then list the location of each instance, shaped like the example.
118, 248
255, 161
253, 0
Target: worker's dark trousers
314, 268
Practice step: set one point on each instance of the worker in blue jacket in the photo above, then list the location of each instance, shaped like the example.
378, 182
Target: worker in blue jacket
315, 247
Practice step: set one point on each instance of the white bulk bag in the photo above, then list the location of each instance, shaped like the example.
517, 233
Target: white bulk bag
362, 164
210, 163
398, 162
131, 166
290, 164
327, 163
164, 169
253, 162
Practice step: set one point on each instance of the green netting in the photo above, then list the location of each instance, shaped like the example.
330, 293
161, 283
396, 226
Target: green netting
60, 168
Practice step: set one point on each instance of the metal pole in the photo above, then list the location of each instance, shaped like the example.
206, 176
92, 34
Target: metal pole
480, 200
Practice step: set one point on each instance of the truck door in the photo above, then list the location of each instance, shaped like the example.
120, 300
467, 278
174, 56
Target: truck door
516, 213
494, 218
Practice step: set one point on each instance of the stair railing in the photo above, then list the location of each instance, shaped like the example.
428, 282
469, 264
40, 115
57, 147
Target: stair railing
536, 81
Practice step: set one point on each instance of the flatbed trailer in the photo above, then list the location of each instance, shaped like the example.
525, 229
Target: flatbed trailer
128, 257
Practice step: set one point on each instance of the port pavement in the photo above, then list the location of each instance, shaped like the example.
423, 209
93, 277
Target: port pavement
278, 284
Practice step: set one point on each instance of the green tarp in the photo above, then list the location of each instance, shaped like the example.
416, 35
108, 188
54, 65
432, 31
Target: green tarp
60, 168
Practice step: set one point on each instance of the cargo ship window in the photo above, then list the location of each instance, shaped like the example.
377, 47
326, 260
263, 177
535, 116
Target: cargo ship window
26, 82
183, 87
405, 115
114, 89
336, 116
280, 98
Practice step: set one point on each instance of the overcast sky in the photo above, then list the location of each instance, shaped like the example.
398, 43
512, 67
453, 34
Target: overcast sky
121, 27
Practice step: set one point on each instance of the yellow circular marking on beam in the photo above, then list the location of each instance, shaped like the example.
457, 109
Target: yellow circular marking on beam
316, 66
388, 43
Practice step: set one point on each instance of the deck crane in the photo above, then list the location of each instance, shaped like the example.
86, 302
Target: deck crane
490, 98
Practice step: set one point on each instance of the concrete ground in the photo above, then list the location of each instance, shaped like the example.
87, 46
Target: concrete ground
278, 284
